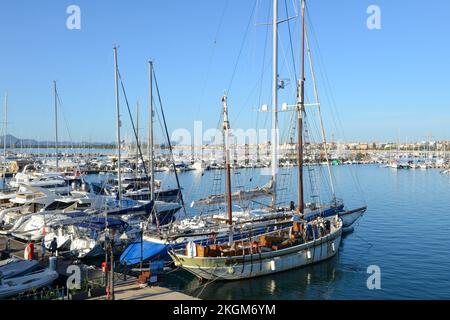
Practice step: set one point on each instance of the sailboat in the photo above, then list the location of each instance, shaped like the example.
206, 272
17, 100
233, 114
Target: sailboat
242, 195
204, 230
311, 236
209, 229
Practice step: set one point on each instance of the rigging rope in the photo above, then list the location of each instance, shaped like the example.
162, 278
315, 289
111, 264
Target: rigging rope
241, 48
290, 40
208, 69
64, 117
169, 143
138, 145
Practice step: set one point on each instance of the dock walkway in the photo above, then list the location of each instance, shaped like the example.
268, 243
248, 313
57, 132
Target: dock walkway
126, 288
132, 291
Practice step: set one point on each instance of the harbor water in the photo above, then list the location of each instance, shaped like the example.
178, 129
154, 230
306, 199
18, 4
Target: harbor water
404, 232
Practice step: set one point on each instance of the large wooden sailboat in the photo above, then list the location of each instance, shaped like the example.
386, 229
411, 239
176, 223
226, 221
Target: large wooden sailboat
303, 242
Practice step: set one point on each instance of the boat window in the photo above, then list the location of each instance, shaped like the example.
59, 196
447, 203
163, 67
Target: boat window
58, 205
37, 207
83, 205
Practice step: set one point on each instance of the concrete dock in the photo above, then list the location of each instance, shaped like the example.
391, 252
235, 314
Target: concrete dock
132, 291
126, 287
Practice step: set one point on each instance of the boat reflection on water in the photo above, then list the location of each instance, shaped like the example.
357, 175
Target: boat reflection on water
309, 282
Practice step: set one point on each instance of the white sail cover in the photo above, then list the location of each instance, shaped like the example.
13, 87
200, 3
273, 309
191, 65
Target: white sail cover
241, 195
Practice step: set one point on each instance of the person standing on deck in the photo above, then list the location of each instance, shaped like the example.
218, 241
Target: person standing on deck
53, 247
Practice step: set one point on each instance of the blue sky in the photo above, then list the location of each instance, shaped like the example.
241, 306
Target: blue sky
386, 83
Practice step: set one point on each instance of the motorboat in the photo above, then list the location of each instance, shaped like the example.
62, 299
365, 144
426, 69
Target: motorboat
35, 280
89, 236
14, 267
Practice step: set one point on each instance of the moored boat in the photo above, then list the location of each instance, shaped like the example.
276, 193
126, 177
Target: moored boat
14, 267
270, 253
22, 284
311, 237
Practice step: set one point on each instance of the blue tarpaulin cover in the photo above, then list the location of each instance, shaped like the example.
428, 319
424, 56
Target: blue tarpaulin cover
150, 250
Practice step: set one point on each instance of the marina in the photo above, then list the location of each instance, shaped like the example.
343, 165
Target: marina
144, 179
377, 237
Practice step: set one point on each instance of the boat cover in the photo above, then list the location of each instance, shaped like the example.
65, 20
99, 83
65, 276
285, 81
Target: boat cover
150, 250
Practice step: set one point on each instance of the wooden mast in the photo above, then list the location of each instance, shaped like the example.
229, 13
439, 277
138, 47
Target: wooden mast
226, 128
300, 110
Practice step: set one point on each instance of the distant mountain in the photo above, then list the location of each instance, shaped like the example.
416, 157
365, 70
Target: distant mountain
14, 142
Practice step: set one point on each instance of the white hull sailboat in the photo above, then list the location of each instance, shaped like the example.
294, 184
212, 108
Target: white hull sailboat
305, 242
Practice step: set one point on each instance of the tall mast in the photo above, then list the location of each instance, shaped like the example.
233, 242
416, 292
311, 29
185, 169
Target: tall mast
274, 102
316, 94
300, 110
119, 175
150, 133
226, 128
5, 126
4, 139
56, 124
137, 140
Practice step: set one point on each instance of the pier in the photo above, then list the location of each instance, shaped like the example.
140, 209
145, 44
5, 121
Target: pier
129, 290
126, 287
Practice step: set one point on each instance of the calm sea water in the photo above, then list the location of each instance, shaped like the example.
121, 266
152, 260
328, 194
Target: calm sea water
405, 232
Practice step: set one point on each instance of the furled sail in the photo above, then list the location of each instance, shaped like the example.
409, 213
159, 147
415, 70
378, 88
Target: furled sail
241, 195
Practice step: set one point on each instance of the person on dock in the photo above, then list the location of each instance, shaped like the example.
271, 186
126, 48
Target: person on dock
8, 246
29, 251
43, 250
54, 247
